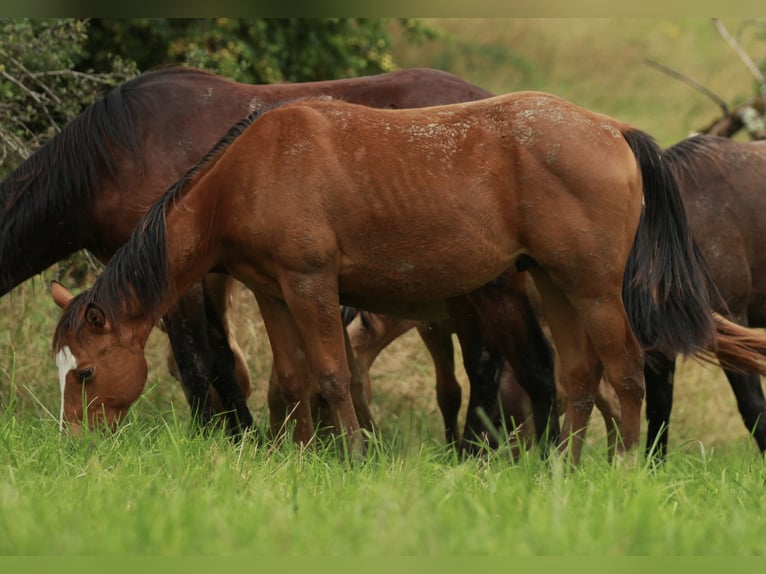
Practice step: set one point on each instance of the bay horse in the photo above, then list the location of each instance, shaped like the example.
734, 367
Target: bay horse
311, 205
722, 186
88, 186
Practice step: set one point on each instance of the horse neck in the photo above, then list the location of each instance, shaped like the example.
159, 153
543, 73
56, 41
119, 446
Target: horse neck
26, 250
191, 238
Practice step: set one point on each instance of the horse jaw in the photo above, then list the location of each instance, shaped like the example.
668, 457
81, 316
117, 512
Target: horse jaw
65, 362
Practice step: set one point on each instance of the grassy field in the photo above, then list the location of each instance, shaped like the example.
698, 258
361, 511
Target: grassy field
155, 488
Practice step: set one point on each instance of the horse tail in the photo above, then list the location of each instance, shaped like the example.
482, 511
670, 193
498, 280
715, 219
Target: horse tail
668, 291
739, 348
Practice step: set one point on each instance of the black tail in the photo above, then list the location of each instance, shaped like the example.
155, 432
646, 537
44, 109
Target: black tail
668, 292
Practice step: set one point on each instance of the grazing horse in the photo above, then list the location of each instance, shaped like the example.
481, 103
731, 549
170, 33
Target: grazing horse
88, 186
311, 205
722, 186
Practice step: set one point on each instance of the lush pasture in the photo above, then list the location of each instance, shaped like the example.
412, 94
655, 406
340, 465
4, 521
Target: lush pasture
156, 488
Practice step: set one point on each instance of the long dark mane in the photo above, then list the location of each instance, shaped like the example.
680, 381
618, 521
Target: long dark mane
57, 181
139, 270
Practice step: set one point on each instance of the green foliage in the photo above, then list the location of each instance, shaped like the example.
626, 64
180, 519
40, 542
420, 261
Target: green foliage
256, 50
39, 89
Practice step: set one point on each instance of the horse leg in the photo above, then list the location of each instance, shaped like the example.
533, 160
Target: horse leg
370, 333
580, 368
510, 323
437, 338
359, 391
218, 287
232, 378
291, 376
751, 404
621, 356
313, 305
482, 364
185, 325
608, 404
659, 372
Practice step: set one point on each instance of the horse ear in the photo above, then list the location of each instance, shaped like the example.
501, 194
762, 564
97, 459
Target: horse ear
95, 316
61, 296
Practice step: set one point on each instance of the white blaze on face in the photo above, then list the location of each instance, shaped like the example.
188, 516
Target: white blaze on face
65, 362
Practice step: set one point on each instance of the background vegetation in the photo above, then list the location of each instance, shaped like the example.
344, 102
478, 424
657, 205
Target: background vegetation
49, 70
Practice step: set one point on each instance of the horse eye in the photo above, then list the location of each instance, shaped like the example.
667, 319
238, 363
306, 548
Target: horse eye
85, 374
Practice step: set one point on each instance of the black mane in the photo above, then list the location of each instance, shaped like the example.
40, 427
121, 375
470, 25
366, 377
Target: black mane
139, 269
61, 177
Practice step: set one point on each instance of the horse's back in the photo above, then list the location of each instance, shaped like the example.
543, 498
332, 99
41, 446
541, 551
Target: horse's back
400, 89
383, 189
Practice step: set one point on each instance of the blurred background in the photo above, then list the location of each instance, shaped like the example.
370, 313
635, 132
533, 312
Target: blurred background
667, 77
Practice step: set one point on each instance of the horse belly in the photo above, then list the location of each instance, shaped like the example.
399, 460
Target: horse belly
419, 274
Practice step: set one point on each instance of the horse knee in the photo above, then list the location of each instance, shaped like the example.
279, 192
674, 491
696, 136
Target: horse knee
292, 388
334, 387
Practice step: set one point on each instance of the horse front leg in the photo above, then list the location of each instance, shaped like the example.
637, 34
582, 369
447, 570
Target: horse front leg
231, 379
289, 398
186, 327
312, 305
482, 363
360, 388
437, 338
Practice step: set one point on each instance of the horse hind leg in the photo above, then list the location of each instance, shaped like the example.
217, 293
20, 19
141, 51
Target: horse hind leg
615, 344
659, 374
751, 403
580, 367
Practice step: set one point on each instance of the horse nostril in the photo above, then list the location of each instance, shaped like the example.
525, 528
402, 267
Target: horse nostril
85, 374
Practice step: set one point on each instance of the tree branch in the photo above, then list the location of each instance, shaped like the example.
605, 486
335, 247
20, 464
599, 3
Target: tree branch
741, 53
693, 83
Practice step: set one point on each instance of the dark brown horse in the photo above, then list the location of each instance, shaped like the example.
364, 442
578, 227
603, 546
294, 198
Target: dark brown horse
311, 204
89, 185
723, 186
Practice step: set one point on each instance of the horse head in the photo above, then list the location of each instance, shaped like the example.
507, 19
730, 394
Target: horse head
102, 369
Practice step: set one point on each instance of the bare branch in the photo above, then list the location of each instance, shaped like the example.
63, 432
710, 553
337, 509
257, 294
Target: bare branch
693, 83
741, 53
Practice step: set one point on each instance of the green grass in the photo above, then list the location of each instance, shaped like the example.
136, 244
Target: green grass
156, 488
161, 490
